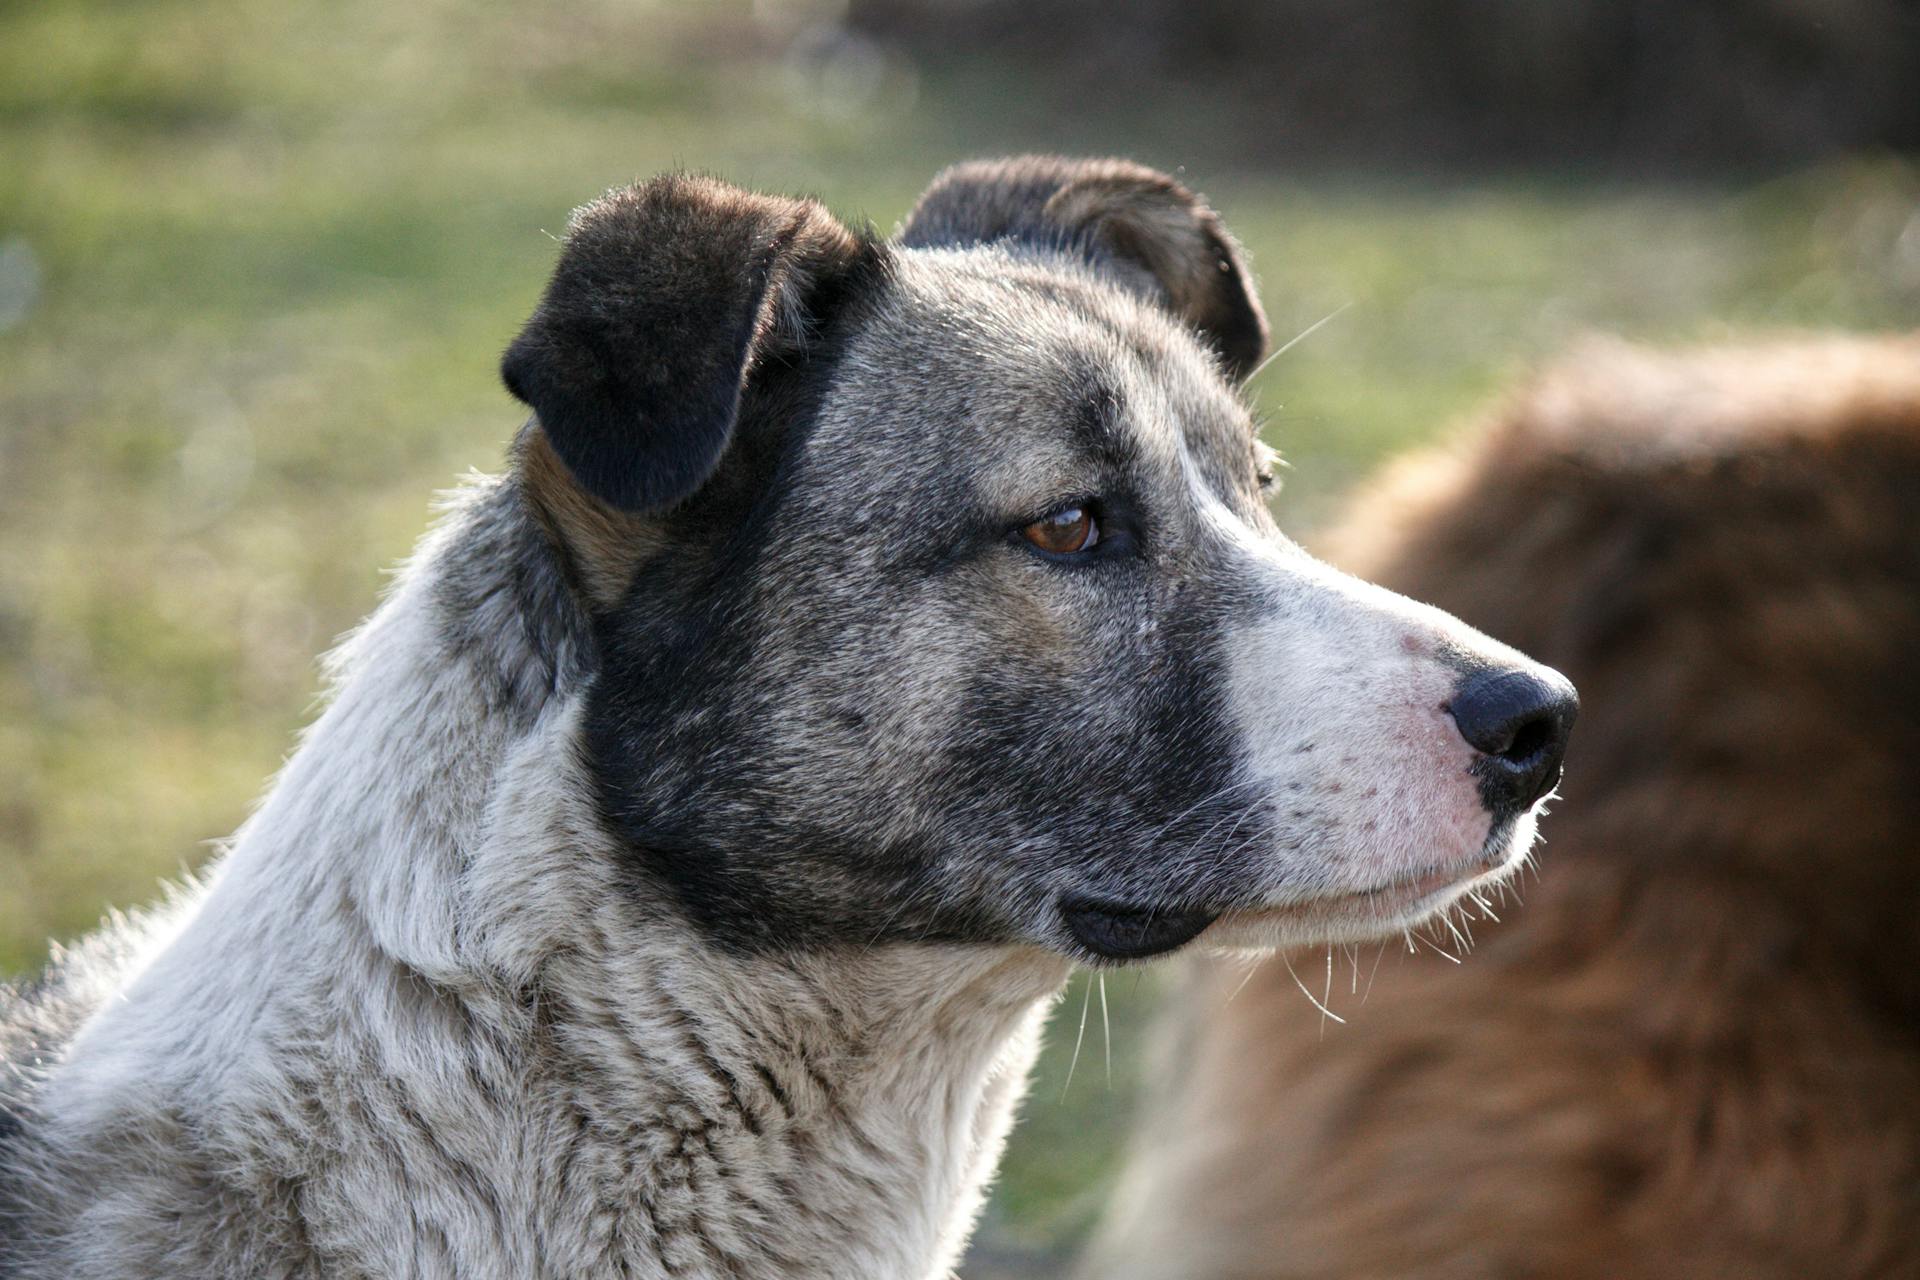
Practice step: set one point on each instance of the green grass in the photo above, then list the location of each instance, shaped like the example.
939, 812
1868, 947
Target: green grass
257, 261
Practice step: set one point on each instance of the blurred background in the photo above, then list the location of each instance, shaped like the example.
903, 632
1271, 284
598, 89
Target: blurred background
258, 259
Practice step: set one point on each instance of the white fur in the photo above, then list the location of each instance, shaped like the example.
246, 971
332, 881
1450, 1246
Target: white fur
1340, 691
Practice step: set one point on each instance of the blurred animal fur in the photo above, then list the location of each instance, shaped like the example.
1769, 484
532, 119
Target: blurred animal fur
1696, 1050
865, 632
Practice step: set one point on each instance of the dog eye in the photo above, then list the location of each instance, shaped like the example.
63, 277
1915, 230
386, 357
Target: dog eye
1065, 532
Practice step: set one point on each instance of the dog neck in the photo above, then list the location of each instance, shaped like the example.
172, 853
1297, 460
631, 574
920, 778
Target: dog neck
833, 1113
417, 1022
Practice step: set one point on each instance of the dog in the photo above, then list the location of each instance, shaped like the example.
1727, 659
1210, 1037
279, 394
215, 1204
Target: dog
864, 633
1697, 1050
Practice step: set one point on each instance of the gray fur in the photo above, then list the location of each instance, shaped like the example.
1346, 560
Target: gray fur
678, 877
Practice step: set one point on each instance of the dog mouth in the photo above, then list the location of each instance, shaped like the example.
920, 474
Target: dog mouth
1386, 902
1115, 930
1118, 931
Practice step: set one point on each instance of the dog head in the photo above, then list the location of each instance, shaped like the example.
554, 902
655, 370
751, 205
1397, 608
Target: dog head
936, 596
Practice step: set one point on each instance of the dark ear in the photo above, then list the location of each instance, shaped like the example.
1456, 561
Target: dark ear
667, 296
1135, 219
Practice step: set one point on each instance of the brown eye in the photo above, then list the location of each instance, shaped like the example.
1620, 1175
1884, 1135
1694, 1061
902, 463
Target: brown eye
1066, 531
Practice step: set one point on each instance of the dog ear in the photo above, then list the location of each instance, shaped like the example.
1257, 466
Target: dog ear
667, 297
1127, 216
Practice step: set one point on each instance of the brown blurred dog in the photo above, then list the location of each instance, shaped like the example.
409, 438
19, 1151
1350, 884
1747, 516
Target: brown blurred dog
1696, 1051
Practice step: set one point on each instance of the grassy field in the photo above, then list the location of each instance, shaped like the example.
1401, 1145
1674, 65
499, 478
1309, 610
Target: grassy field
258, 259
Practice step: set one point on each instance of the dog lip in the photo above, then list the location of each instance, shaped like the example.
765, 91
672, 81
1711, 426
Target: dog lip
1396, 895
1120, 931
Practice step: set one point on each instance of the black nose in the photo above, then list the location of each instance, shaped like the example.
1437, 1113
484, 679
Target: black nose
1519, 721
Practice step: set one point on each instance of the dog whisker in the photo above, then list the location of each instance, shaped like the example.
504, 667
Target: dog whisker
1286, 960
1106, 1029
1252, 969
1297, 339
1086, 996
1464, 939
1371, 972
1326, 997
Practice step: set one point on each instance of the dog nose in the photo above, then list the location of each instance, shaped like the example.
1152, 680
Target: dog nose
1519, 720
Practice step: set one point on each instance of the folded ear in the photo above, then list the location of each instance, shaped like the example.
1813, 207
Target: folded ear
668, 295
1135, 220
